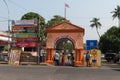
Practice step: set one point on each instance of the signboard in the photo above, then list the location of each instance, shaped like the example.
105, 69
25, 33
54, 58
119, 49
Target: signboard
31, 39
91, 44
25, 29
26, 35
26, 44
25, 22
15, 56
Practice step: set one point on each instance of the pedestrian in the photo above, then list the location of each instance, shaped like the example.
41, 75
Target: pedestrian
41, 57
69, 58
72, 59
57, 59
87, 57
63, 59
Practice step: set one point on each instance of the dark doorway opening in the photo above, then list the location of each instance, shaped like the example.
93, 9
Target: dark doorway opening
65, 48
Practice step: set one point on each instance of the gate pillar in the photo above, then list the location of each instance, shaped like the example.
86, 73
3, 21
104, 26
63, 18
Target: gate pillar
79, 57
50, 56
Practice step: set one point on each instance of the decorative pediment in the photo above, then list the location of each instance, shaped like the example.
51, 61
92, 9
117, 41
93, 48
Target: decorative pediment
65, 26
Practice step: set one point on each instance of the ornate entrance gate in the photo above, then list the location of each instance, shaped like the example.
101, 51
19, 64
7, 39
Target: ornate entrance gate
65, 30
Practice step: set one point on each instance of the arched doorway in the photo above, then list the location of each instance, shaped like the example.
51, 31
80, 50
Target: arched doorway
64, 46
65, 31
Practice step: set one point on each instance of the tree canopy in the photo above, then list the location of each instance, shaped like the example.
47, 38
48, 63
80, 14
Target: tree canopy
32, 15
110, 40
65, 45
55, 20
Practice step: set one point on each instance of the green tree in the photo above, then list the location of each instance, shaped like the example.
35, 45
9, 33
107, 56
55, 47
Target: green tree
95, 23
55, 20
116, 13
65, 45
32, 15
110, 40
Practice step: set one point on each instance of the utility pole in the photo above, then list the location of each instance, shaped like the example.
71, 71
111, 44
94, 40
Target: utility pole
8, 28
39, 40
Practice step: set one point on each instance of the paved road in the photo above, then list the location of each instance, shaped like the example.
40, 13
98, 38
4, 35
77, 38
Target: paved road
30, 72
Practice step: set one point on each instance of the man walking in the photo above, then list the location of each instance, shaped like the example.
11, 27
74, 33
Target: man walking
87, 59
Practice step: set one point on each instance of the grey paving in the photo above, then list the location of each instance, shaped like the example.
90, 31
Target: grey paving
30, 72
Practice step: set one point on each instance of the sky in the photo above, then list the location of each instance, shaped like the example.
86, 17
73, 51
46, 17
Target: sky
80, 13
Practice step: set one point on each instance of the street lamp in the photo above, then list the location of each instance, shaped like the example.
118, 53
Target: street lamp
8, 28
39, 40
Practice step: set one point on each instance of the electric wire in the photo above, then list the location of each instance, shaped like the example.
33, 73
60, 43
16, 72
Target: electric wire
18, 5
3, 17
3, 20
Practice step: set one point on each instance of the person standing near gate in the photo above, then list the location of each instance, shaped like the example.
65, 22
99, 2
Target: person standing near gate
63, 59
87, 57
57, 59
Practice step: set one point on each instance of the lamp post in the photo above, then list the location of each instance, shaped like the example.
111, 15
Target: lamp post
8, 28
39, 40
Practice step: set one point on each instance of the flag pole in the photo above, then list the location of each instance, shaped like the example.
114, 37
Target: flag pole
65, 11
66, 6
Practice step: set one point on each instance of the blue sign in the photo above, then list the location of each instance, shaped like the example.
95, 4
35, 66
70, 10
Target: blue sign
91, 44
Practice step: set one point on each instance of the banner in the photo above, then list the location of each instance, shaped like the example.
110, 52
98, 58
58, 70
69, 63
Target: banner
27, 44
14, 58
25, 22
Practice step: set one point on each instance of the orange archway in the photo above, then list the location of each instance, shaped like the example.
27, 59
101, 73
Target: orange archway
65, 30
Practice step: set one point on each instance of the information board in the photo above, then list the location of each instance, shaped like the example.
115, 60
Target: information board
91, 44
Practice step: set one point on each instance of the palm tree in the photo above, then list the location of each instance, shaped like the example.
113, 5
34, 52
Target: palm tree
95, 23
116, 13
